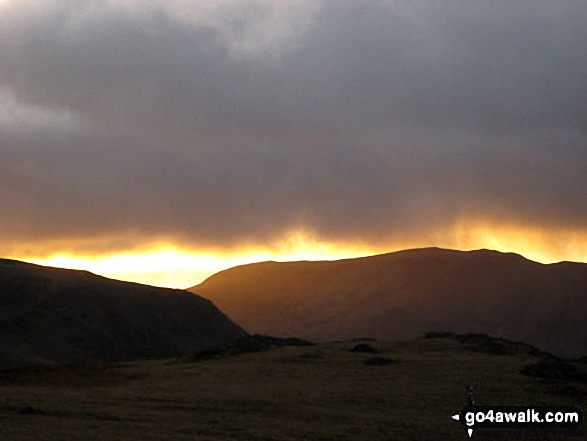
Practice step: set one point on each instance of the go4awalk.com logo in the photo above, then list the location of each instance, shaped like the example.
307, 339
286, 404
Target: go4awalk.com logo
519, 417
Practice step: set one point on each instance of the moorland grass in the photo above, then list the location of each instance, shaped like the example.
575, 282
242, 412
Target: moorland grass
321, 392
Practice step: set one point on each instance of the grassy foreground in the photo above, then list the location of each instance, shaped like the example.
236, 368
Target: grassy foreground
322, 392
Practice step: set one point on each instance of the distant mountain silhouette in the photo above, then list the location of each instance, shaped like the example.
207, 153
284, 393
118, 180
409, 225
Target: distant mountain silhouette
50, 315
405, 294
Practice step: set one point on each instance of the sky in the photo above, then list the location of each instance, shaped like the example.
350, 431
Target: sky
162, 141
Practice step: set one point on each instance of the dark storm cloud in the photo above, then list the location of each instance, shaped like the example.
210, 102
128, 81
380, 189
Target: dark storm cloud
380, 118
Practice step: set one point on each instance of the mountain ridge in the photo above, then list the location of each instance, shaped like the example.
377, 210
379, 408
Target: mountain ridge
403, 295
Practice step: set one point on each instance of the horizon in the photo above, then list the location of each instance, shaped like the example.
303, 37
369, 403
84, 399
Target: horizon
146, 277
163, 141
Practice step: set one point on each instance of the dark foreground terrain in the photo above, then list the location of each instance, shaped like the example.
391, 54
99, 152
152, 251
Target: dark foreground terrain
364, 390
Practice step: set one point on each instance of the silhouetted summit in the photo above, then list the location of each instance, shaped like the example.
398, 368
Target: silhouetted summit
50, 315
405, 294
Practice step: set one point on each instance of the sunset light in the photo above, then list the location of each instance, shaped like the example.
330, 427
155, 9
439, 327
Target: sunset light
161, 143
176, 267
308, 219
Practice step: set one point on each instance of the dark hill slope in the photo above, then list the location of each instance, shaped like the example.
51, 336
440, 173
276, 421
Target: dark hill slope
406, 294
50, 315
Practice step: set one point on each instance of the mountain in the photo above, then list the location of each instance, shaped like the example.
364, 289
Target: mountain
405, 294
58, 316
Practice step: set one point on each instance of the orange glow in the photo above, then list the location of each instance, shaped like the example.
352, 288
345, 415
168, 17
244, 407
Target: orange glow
538, 244
171, 266
174, 267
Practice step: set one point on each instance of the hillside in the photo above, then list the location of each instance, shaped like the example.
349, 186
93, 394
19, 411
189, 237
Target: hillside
50, 315
405, 294
327, 392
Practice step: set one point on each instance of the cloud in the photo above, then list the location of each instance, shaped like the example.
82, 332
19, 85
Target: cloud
218, 123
